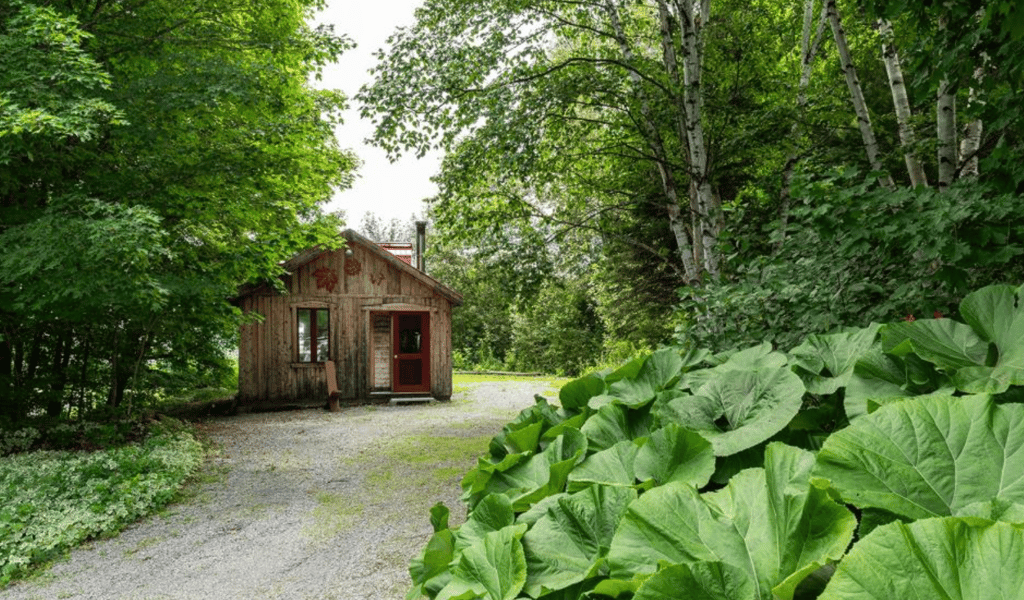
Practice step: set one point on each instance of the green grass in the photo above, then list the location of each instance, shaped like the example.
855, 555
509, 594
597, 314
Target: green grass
415, 472
51, 501
462, 382
333, 514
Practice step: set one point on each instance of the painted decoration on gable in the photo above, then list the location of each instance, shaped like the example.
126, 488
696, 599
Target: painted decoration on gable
352, 266
377, 278
326, 278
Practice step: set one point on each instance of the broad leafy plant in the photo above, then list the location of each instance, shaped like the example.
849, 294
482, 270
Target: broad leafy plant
891, 456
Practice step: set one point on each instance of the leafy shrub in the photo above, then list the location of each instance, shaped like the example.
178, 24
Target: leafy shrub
893, 451
51, 501
854, 255
559, 333
18, 440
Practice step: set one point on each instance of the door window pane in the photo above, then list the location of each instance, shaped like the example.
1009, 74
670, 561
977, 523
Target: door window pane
410, 339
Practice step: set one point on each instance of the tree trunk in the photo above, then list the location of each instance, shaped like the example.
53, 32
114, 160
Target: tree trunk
35, 354
84, 375
860, 106
684, 241
971, 142
708, 220
901, 102
61, 360
676, 217
808, 51
7, 405
945, 131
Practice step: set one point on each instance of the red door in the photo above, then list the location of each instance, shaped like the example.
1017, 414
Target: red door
411, 372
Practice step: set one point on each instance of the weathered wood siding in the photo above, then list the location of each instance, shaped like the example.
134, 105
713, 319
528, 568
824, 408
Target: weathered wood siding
367, 284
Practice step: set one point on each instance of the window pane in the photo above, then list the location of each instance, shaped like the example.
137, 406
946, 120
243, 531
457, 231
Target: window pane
305, 335
323, 347
409, 337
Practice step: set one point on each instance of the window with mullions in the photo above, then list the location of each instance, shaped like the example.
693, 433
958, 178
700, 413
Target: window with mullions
314, 334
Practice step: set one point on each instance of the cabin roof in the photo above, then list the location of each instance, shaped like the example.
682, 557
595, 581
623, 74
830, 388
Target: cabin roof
380, 250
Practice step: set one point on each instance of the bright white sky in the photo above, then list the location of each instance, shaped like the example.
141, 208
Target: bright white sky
389, 190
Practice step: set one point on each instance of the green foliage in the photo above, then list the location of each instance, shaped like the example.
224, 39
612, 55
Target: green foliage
151, 161
948, 557
558, 333
928, 457
51, 87
686, 473
51, 501
855, 254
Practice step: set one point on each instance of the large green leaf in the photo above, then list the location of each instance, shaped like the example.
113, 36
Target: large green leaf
669, 454
491, 514
826, 362
615, 423
540, 415
434, 562
700, 581
946, 558
770, 523
494, 568
876, 375
739, 409
675, 454
475, 482
984, 356
541, 475
659, 371
577, 392
612, 466
943, 342
569, 543
524, 439
997, 315
928, 457
755, 358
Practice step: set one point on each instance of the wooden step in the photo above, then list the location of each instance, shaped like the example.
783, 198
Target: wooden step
400, 400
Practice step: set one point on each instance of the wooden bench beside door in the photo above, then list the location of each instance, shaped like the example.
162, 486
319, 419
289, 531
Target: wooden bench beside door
332, 386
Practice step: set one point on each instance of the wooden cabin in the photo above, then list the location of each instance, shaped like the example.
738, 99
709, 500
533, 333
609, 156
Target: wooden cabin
383, 324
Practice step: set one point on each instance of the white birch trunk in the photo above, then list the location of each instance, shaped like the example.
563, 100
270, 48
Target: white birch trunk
945, 131
672, 67
901, 102
677, 223
808, 51
969, 146
708, 220
971, 142
860, 106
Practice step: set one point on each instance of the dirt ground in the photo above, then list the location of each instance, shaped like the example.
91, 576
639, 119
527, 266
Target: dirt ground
298, 505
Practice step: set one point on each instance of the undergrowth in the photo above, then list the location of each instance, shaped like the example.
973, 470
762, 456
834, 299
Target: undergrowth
51, 501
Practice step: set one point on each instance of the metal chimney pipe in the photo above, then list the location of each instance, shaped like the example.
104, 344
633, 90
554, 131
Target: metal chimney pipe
421, 245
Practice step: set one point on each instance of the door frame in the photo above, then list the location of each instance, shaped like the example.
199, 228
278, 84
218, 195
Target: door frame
423, 355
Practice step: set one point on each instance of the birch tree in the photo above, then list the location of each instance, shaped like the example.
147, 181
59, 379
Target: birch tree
810, 43
545, 66
901, 102
860, 106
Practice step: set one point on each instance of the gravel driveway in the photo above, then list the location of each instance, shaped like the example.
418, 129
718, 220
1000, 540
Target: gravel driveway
299, 505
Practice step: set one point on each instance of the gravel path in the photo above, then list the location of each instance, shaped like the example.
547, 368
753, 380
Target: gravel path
298, 505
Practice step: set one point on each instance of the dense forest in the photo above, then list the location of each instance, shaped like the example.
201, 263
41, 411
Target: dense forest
619, 175
154, 155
